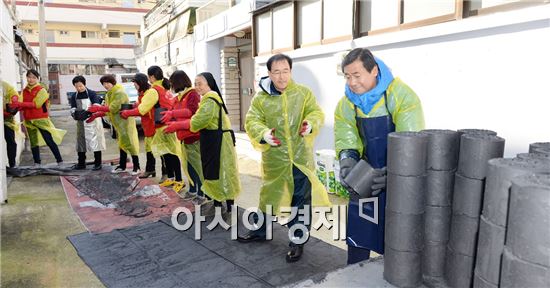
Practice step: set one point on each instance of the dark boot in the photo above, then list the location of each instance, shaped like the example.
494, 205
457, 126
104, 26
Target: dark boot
150, 164
294, 253
97, 161
81, 165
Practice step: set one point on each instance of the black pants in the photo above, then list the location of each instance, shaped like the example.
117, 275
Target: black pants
173, 166
196, 186
229, 203
151, 162
82, 158
301, 196
123, 159
49, 141
9, 135
162, 166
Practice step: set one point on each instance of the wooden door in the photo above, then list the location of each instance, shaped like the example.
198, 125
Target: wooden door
53, 87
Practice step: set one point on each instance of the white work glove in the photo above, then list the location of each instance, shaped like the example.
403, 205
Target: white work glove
306, 128
270, 139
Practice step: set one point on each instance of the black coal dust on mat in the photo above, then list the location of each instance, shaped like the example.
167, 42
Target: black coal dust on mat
157, 255
24, 171
105, 188
135, 206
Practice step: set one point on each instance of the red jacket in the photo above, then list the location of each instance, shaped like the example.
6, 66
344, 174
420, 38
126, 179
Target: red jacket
34, 113
148, 120
190, 101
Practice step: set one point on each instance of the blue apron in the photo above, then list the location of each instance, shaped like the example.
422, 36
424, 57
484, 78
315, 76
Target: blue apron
364, 235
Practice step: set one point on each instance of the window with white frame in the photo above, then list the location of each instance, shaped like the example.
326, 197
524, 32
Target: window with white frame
283, 27
63, 33
114, 34
377, 15
129, 38
337, 19
309, 22
416, 10
327, 21
88, 34
480, 4
263, 33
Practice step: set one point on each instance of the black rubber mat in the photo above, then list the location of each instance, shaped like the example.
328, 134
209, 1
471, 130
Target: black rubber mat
157, 255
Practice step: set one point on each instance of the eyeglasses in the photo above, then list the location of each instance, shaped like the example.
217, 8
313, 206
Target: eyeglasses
281, 73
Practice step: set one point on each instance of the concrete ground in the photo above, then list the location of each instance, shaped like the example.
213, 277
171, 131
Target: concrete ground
34, 251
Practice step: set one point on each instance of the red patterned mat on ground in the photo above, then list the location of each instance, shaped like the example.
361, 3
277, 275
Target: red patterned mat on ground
146, 203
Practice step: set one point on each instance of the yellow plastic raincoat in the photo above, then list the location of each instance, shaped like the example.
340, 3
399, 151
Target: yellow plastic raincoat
160, 143
35, 137
193, 155
9, 92
192, 152
403, 104
228, 186
126, 130
285, 113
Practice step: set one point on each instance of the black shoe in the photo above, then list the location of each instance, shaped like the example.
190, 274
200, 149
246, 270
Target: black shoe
148, 174
97, 167
250, 237
295, 253
79, 166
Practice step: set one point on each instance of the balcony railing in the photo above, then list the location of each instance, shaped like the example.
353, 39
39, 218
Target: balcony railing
211, 9
161, 10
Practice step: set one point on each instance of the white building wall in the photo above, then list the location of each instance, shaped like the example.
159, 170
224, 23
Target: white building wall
77, 53
9, 73
485, 72
207, 58
66, 85
8, 70
71, 15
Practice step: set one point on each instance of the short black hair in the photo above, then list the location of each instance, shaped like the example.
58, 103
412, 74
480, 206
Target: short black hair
278, 57
33, 72
362, 54
80, 79
180, 81
109, 78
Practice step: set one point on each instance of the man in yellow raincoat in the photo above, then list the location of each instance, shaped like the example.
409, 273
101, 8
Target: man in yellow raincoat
282, 123
11, 128
375, 104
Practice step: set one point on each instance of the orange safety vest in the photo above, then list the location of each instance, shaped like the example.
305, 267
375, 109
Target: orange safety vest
34, 113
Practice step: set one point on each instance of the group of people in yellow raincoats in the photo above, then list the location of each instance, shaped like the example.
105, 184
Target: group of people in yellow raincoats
192, 134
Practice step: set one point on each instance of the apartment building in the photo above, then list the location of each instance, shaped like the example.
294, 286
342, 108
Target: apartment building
85, 37
167, 36
473, 64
